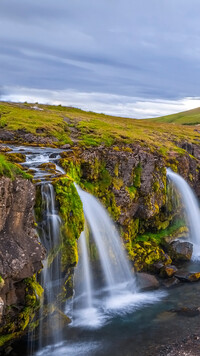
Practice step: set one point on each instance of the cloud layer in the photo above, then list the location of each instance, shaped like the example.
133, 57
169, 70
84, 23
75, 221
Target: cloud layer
120, 48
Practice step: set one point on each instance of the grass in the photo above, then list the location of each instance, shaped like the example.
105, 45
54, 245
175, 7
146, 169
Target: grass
190, 117
91, 129
11, 170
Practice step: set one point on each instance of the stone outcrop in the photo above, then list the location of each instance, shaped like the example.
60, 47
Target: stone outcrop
20, 251
24, 137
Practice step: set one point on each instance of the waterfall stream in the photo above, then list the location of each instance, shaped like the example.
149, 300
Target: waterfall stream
191, 207
105, 286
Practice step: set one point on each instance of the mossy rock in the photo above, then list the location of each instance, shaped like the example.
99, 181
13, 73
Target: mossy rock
16, 157
145, 254
48, 166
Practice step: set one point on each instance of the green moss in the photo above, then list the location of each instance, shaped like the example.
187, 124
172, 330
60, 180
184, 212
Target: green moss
71, 212
5, 338
144, 254
158, 236
132, 191
137, 176
16, 157
15, 326
11, 170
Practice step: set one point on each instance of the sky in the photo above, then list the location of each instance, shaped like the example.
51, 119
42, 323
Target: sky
124, 57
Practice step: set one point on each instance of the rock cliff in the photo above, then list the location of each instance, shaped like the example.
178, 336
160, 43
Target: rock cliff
20, 251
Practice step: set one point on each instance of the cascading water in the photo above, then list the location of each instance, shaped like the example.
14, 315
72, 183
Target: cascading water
50, 276
99, 295
191, 207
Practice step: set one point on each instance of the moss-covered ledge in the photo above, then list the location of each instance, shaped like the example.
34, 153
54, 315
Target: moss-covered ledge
71, 213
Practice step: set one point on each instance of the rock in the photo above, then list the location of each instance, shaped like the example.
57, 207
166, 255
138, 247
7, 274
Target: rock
188, 276
48, 166
188, 312
147, 281
1, 308
20, 253
156, 267
5, 149
168, 271
181, 251
65, 147
16, 157
171, 282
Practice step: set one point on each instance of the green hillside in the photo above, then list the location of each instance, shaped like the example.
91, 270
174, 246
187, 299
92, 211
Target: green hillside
81, 128
190, 117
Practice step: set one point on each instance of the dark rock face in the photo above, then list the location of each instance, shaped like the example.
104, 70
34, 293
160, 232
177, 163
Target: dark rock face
181, 251
20, 252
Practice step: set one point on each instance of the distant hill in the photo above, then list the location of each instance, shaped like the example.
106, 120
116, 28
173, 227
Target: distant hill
190, 117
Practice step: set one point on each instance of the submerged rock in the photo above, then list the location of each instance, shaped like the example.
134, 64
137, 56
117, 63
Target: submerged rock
181, 251
186, 311
147, 281
170, 282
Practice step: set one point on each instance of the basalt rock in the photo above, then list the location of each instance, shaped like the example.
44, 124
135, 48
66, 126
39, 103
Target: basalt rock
20, 251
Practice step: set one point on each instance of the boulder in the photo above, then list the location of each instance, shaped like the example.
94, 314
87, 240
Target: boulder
181, 251
167, 271
147, 281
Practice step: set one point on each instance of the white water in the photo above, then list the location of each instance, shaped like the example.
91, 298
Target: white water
102, 293
192, 211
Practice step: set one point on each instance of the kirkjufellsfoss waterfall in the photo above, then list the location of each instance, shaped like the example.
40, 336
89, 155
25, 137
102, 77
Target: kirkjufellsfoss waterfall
191, 208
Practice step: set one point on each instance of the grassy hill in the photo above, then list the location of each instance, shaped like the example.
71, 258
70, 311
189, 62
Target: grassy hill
190, 117
81, 128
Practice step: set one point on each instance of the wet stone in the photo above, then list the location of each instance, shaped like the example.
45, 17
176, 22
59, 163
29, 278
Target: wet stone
171, 282
185, 276
147, 281
168, 271
181, 251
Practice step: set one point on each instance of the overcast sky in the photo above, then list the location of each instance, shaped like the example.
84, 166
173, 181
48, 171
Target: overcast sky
137, 58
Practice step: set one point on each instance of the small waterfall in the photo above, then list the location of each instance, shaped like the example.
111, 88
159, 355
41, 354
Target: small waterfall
50, 274
191, 207
115, 286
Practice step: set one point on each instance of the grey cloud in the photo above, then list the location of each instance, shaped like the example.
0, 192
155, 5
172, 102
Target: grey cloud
140, 48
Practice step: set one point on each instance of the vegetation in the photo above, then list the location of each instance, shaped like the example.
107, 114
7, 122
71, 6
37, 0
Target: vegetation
11, 170
71, 212
190, 117
86, 129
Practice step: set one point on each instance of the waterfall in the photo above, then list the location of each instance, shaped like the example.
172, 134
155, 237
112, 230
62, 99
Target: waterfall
115, 286
191, 207
50, 276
